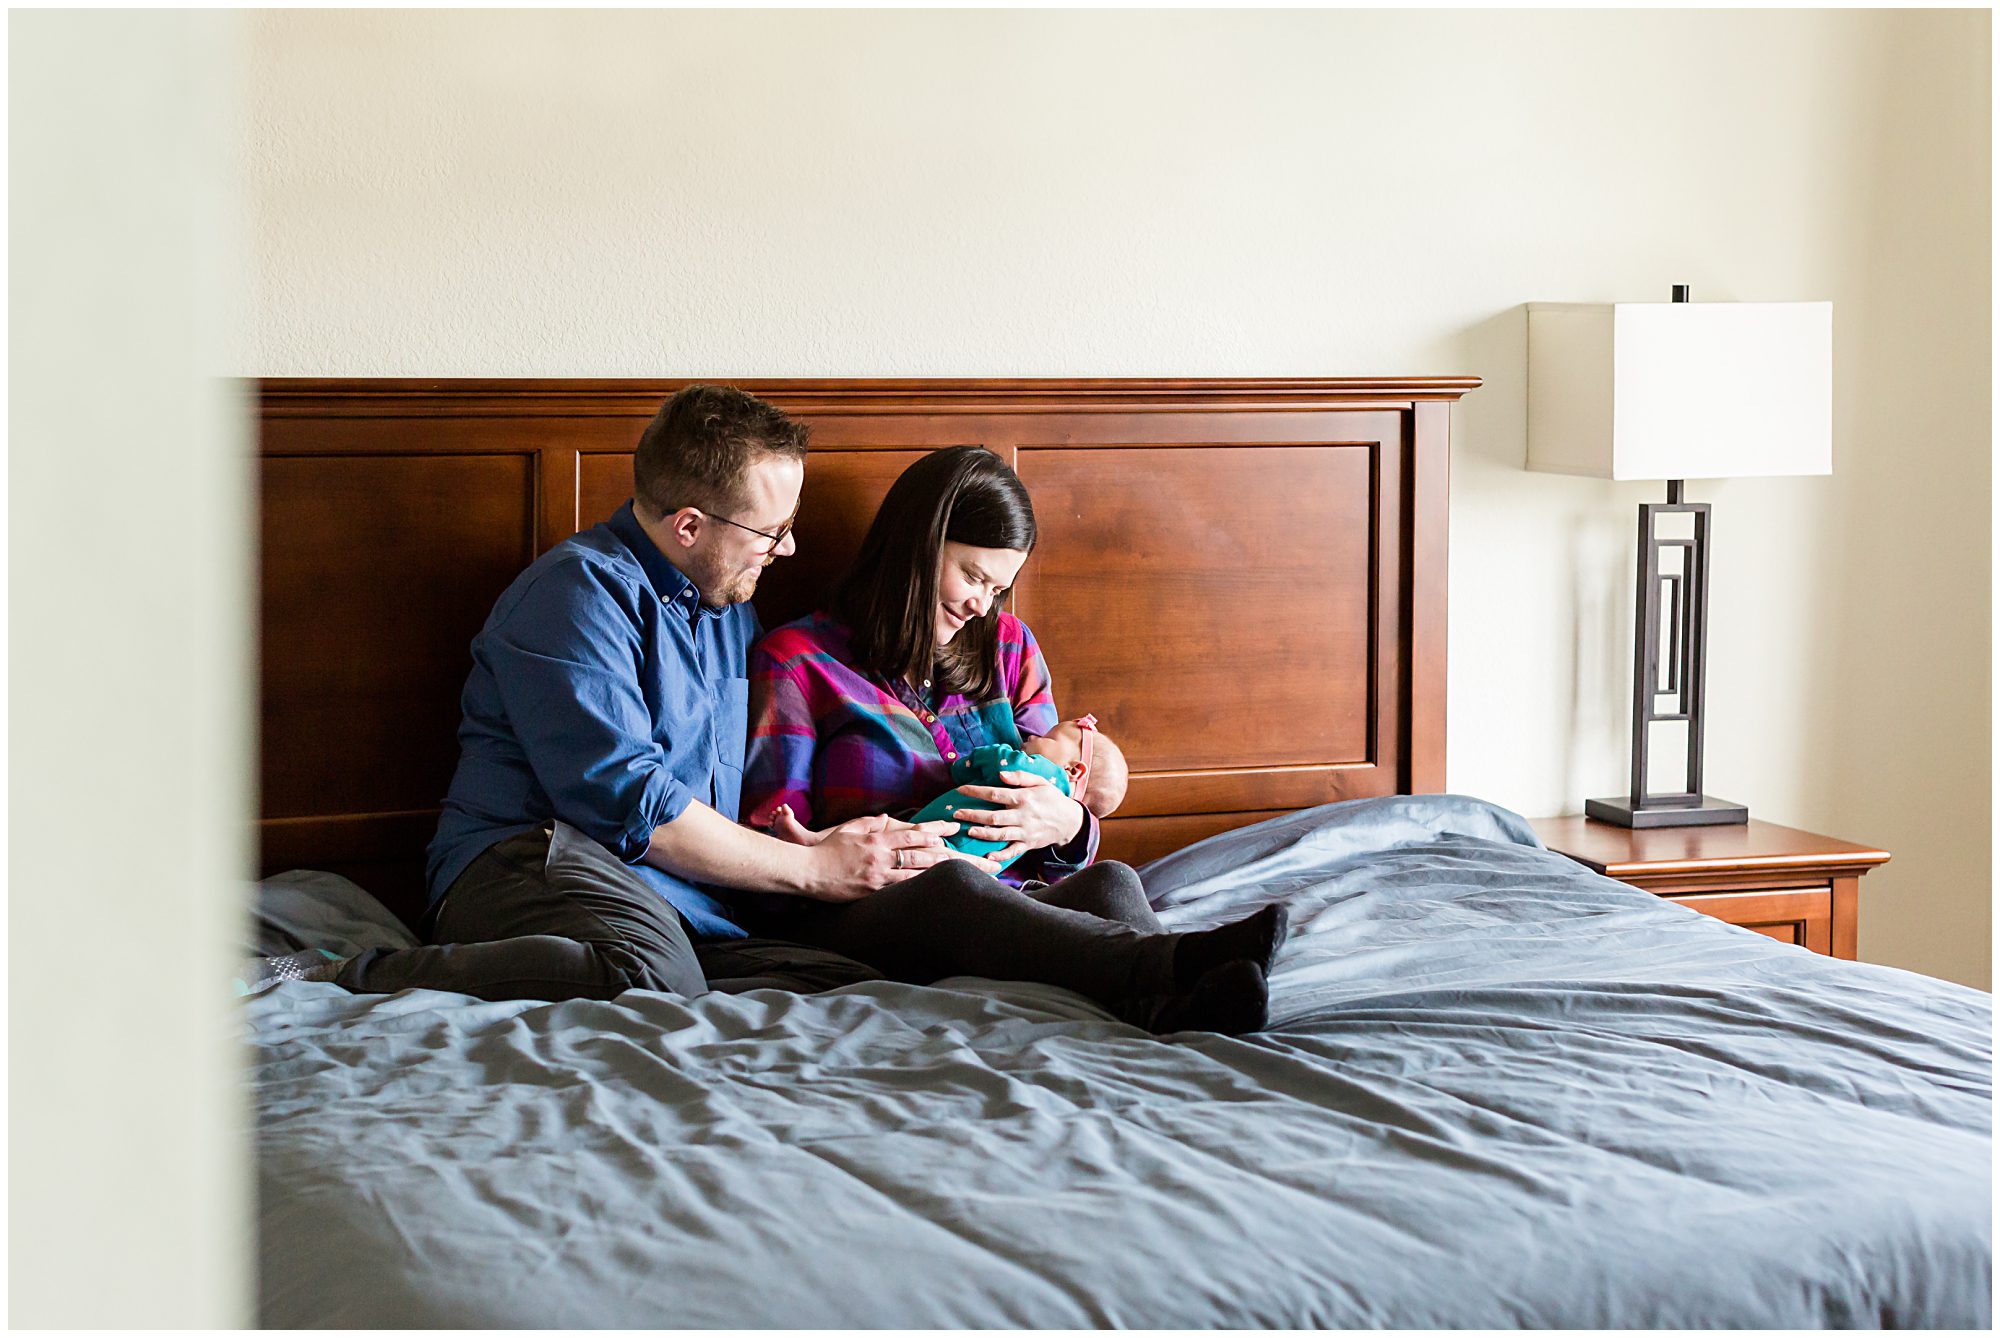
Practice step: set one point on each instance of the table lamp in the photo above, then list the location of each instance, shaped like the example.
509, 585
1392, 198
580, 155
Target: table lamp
1677, 390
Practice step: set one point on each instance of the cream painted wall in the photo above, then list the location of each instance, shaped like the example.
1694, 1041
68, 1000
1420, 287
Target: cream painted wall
1275, 193
131, 677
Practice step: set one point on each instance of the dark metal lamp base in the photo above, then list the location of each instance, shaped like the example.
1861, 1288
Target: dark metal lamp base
1707, 812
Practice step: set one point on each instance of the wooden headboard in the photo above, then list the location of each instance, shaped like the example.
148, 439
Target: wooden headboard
1244, 580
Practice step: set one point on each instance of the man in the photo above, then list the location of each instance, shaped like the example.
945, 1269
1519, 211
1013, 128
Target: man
601, 751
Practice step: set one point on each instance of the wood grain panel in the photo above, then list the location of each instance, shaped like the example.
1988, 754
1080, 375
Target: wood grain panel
1803, 917
843, 488
603, 482
345, 427
397, 510
560, 466
1843, 938
1211, 605
1727, 850
1229, 790
377, 572
382, 852
957, 398
1137, 840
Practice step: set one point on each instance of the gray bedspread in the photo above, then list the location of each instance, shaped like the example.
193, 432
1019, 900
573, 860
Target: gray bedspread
1498, 1091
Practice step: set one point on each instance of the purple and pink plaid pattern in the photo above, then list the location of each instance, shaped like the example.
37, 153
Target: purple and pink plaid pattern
835, 743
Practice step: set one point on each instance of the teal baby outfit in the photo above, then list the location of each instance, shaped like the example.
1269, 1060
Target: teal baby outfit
982, 766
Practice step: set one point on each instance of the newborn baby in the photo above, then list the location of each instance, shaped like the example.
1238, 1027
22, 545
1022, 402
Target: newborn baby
1074, 757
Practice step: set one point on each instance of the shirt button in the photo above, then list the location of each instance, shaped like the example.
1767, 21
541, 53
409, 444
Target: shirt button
951, 757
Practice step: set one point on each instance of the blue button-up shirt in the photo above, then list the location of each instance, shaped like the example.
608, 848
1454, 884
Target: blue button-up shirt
605, 694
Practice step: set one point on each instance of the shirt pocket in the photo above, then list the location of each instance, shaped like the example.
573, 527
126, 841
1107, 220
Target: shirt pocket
732, 727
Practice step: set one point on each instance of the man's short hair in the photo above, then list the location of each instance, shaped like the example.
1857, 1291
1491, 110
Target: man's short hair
698, 447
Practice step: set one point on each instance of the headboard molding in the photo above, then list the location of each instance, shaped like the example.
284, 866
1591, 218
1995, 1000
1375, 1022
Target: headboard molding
1244, 579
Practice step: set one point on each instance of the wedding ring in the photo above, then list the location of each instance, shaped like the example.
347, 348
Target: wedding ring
899, 857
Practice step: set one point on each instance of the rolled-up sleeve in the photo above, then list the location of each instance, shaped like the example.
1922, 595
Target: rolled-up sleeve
1056, 863
566, 663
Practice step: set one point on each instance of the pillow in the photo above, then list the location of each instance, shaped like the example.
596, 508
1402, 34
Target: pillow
1313, 839
305, 908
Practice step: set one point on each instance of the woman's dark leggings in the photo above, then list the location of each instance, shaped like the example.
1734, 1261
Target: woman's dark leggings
1093, 932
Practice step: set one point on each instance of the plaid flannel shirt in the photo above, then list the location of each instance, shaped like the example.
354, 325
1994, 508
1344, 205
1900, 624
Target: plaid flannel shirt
836, 743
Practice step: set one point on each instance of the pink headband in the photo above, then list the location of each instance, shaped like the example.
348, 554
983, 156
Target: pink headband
1087, 726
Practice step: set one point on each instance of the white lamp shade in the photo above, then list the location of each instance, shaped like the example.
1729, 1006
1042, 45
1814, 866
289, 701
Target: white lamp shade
1680, 390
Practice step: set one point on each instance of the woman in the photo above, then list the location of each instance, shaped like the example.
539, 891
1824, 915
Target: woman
859, 710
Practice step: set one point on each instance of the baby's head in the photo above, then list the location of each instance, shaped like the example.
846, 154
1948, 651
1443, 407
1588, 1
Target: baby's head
1095, 766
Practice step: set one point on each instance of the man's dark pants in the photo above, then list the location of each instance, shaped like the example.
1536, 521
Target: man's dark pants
551, 914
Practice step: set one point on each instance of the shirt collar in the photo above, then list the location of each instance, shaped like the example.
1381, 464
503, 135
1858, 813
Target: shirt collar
668, 581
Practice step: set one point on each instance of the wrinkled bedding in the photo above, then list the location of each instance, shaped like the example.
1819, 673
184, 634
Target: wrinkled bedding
1498, 1091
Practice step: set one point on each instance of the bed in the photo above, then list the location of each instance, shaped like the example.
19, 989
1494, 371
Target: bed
1498, 1090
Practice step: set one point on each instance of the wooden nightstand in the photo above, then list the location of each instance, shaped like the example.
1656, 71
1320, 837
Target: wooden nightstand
1792, 885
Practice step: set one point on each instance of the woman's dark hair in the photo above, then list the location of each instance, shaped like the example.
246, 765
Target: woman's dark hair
968, 495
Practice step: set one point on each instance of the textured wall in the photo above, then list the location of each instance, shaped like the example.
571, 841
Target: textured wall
132, 681
1041, 193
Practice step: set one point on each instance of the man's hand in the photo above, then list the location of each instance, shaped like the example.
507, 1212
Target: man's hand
1029, 814
843, 863
865, 854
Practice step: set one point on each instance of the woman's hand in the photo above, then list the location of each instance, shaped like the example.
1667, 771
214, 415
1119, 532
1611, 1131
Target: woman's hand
984, 863
1028, 814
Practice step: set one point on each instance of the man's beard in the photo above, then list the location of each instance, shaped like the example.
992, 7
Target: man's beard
720, 590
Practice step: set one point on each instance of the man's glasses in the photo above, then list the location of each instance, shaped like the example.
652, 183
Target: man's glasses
776, 539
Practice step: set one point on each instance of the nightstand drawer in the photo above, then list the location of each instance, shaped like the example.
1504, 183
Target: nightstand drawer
1803, 916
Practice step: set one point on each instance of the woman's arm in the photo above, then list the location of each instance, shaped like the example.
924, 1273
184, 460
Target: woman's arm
778, 779
1027, 812
1059, 834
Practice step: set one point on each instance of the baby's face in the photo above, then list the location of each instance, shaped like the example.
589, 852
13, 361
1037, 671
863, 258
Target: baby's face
1099, 784
1062, 745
